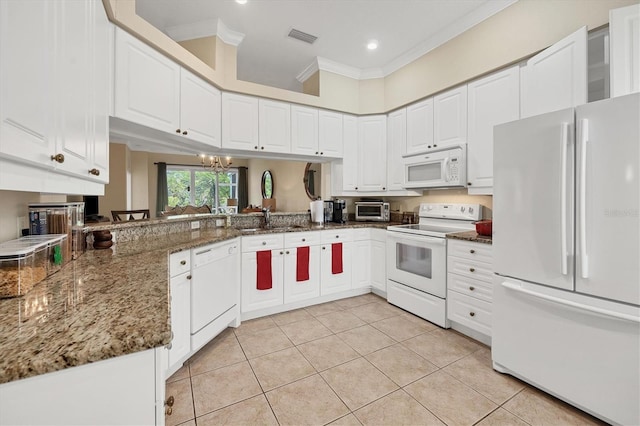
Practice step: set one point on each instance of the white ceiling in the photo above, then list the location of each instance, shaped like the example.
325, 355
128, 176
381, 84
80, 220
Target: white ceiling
405, 30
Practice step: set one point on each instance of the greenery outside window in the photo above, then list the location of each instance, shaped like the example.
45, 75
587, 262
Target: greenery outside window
197, 186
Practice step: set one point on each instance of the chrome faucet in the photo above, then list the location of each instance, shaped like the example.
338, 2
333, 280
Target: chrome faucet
267, 216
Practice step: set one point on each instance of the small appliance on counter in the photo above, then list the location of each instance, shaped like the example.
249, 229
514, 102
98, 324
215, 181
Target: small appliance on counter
328, 211
340, 211
372, 210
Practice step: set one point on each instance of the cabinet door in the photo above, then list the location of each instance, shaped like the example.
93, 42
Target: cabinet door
493, 100
252, 298
419, 127
450, 118
240, 118
180, 320
396, 140
275, 126
304, 130
333, 283
624, 33
27, 54
350, 154
556, 78
147, 85
378, 264
330, 134
199, 109
301, 290
372, 153
361, 273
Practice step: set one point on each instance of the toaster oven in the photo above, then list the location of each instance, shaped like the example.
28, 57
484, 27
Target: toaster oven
372, 211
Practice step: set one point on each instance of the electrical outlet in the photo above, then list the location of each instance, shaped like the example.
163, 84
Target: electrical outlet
195, 224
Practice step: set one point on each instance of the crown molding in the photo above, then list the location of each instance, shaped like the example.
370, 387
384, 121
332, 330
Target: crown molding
211, 27
311, 69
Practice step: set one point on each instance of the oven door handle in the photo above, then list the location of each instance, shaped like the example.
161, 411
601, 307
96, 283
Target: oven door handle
403, 236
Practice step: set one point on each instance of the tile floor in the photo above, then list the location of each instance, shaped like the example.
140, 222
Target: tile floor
351, 362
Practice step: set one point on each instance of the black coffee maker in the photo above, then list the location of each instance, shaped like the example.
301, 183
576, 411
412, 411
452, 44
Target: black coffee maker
339, 211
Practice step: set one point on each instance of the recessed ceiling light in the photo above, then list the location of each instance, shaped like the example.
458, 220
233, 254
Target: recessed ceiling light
372, 44
241, 1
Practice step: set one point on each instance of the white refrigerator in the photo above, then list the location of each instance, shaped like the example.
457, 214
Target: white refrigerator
566, 244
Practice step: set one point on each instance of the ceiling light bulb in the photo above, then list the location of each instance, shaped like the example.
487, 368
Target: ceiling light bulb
241, 1
372, 44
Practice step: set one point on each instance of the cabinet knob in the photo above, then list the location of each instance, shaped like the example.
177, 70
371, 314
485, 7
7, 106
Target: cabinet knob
264, 243
183, 262
304, 239
472, 269
168, 411
472, 314
188, 277
337, 236
429, 146
316, 152
281, 252
58, 158
170, 401
262, 147
434, 145
322, 153
94, 172
472, 288
287, 251
185, 132
356, 188
469, 183
472, 251
255, 147
324, 248
177, 130
384, 188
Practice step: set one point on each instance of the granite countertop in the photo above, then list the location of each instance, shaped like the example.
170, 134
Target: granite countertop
471, 236
105, 304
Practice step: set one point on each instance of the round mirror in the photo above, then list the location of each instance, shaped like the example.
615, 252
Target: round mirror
311, 180
267, 184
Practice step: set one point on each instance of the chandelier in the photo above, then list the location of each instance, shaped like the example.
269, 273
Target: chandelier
215, 163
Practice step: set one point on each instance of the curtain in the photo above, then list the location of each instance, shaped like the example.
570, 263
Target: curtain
162, 197
243, 189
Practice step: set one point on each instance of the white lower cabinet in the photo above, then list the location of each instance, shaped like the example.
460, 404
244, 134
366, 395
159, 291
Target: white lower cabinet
361, 259
254, 298
123, 390
301, 279
333, 278
469, 288
180, 297
379, 261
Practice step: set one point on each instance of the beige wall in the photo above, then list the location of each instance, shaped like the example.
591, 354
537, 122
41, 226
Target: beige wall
14, 205
204, 48
516, 32
411, 204
288, 187
117, 193
311, 85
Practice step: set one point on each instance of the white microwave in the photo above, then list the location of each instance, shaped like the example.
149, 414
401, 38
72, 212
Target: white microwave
440, 169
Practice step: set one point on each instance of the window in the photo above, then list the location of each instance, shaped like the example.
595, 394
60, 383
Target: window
197, 186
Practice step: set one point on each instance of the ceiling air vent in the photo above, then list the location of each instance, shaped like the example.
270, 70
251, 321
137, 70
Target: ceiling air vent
302, 36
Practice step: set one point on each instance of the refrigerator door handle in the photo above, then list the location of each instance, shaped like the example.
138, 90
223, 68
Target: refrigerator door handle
563, 198
576, 305
582, 215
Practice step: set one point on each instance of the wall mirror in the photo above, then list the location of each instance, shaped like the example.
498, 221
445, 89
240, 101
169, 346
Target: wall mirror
312, 180
267, 184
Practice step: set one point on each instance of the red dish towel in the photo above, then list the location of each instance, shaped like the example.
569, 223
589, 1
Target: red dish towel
336, 258
302, 264
263, 281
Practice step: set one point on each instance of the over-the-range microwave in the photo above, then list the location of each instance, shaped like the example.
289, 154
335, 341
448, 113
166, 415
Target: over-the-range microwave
440, 169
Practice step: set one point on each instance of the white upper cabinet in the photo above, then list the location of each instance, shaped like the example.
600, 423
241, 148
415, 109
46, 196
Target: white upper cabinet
396, 140
556, 78
200, 105
350, 154
304, 130
450, 118
372, 153
419, 130
274, 126
624, 33
494, 99
240, 122
147, 85
330, 134
54, 104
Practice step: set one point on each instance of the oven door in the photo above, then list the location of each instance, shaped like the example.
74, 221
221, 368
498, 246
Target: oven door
418, 261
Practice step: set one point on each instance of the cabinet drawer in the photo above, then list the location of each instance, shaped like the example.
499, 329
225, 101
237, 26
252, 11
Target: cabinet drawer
179, 263
360, 234
262, 242
470, 268
465, 310
470, 287
470, 250
301, 239
336, 236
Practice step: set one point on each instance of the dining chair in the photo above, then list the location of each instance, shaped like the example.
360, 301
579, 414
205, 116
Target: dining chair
122, 215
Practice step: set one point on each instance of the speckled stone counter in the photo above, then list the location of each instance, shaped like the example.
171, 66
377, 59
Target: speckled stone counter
471, 236
105, 304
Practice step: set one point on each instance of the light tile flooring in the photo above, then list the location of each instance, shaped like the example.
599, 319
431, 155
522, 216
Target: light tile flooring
350, 362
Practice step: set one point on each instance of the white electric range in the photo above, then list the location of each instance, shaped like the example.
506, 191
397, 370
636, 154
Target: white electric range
417, 258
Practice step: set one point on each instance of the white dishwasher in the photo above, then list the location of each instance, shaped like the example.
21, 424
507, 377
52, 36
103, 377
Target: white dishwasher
214, 288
